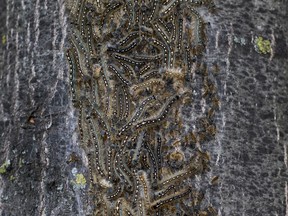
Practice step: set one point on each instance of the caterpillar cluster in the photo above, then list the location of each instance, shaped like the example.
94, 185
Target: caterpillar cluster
132, 68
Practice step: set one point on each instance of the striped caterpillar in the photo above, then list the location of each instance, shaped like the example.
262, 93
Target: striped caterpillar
136, 115
127, 60
178, 176
154, 84
109, 10
179, 195
130, 46
161, 116
167, 9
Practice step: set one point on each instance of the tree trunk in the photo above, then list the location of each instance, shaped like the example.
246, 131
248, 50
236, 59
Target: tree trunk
40, 150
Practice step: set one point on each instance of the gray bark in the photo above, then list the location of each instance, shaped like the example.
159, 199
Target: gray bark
37, 119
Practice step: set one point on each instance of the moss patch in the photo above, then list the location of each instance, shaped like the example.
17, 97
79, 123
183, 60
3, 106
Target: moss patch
262, 46
3, 39
80, 181
12, 178
4, 166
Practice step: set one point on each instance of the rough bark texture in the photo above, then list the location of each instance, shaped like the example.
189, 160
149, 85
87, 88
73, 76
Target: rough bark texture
251, 147
37, 121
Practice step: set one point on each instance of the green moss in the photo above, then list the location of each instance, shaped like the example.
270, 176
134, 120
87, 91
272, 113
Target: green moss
80, 181
12, 178
4, 166
262, 46
3, 39
21, 162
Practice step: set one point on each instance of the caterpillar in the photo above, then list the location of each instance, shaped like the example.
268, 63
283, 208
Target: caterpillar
154, 10
179, 195
116, 193
144, 69
153, 159
146, 58
161, 33
199, 34
167, 29
180, 32
126, 49
97, 148
130, 11
128, 60
125, 175
145, 186
165, 191
109, 10
110, 158
167, 9
154, 84
72, 74
144, 160
150, 74
173, 23
190, 171
124, 81
158, 152
128, 70
165, 48
160, 117
129, 37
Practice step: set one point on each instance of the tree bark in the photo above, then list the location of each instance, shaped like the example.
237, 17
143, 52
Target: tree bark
38, 122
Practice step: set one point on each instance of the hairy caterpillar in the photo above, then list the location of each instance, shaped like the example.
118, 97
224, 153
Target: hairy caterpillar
179, 195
